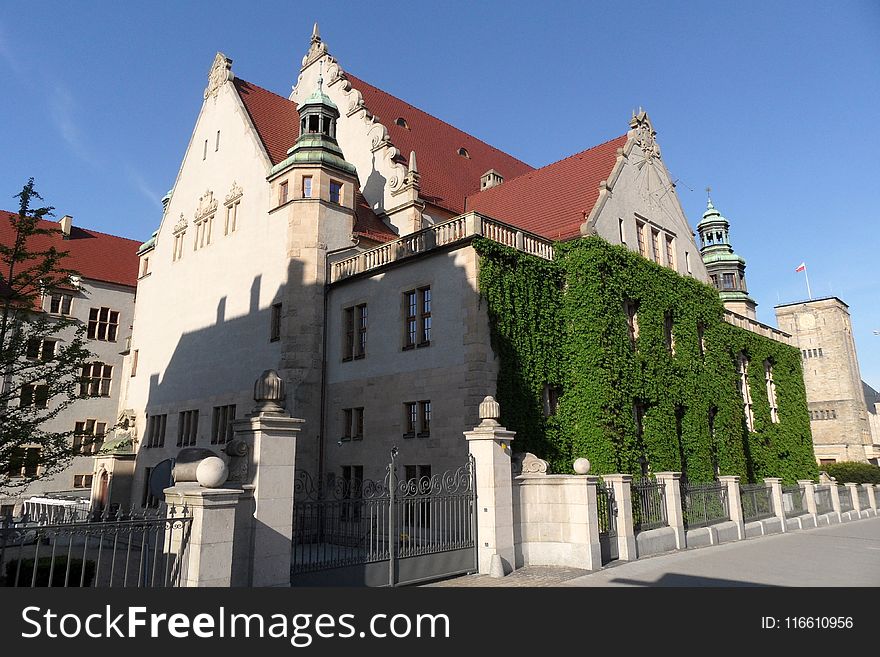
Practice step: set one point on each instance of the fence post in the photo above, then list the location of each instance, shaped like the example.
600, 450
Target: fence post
856, 503
775, 484
489, 444
810, 498
626, 535
734, 503
675, 517
872, 496
835, 499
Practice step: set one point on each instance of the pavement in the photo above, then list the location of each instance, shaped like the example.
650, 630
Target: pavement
846, 554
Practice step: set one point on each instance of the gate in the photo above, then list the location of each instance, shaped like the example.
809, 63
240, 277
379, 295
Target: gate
607, 512
389, 533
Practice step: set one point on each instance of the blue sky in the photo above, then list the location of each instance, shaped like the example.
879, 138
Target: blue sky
773, 104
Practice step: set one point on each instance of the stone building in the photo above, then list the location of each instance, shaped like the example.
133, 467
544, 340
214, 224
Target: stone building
841, 416
328, 236
102, 299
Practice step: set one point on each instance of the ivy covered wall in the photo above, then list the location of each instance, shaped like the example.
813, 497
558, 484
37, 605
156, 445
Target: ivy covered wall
560, 328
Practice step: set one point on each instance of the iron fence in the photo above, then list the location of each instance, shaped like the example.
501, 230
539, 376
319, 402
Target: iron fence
145, 549
793, 501
864, 502
757, 502
606, 510
823, 500
704, 504
846, 503
648, 504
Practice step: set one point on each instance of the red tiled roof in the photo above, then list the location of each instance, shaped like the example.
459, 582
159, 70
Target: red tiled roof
551, 201
274, 117
367, 224
94, 255
447, 178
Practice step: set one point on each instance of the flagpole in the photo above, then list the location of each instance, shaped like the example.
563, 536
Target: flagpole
807, 276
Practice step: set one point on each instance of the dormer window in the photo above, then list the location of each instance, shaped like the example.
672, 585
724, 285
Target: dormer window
464, 152
401, 122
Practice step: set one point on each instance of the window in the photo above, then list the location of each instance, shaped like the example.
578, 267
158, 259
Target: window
41, 349
668, 333
82, 481
827, 461
771, 392
221, 426
335, 192
620, 231
411, 418
59, 304
352, 424
355, 320
640, 235
155, 434
743, 383
687, 261
282, 193
134, 362
88, 436
217, 142
464, 152
655, 245
187, 428
145, 266
714, 279
95, 381
36, 395
148, 500
231, 218
670, 252
401, 122
24, 462
275, 323
550, 399
204, 228
418, 419
728, 281
701, 339
417, 320
205, 151
103, 324
307, 187
631, 308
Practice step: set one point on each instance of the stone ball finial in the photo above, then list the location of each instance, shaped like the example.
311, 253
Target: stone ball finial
581, 466
490, 410
211, 472
269, 393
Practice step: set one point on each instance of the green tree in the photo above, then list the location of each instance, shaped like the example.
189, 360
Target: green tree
42, 354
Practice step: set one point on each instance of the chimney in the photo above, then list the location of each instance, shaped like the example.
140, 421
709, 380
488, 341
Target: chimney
490, 179
66, 223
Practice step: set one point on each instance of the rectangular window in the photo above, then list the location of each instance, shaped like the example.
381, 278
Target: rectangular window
640, 235
355, 321
36, 395
655, 246
148, 500
714, 279
205, 151
424, 418
145, 267
59, 304
411, 418
417, 319
743, 382
95, 381
88, 436
231, 218
352, 424
103, 324
187, 428
348, 345
668, 333
346, 424
335, 192
24, 462
217, 142
282, 193
358, 431
620, 231
41, 349
670, 252
221, 425
134, 362
410, 323
361, 344
728, 281
631, 309
82, 481
155, 434
275, 323
771, 392
307, 187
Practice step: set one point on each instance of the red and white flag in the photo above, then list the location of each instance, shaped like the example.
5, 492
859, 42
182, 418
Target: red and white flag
801, 267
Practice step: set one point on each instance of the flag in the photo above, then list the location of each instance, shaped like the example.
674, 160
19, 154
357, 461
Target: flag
801, 267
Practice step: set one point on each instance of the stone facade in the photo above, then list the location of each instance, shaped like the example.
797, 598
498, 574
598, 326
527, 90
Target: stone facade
839, 415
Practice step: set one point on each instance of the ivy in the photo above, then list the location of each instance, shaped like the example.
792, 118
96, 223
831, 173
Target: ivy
561, 324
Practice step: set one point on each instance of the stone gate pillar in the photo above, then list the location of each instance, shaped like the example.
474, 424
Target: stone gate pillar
674, 516
775, 484
489, 444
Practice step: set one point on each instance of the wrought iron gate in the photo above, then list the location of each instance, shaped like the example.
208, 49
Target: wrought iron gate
607, 511
350, 532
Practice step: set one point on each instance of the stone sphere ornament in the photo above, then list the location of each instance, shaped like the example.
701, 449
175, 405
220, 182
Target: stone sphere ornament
582, 466
212, 472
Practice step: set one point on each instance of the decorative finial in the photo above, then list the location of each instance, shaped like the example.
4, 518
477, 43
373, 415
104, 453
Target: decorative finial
413, 167
269, 393
220, 73
709, 196
490, 411
316, 34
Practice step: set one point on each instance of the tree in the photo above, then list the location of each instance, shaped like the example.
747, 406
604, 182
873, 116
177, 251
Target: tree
42, 354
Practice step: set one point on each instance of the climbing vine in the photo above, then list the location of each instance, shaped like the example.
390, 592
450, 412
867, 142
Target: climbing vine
561, 327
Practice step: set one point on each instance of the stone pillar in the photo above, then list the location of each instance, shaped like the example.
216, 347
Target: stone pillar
674, 515
854, 492
267, 438
809, 489
626, 535
734, 503
872, 496
775, 484
489, 444
835, 499
207, 554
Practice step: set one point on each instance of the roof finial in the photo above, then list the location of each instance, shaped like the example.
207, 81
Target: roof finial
413, 167
316, 34
709, 196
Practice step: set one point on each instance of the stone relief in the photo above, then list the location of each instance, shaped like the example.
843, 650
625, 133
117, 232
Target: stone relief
220, 73
644, 134
234, 194
527, 463
207, 205
180, 226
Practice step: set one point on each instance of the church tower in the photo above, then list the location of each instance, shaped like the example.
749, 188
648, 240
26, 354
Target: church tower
726, 269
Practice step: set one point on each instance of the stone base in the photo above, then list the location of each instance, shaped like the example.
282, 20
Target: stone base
655, 541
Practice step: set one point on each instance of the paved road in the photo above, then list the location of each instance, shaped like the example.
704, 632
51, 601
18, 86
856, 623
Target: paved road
839, 555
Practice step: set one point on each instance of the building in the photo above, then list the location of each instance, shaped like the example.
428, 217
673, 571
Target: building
332, 236
102, 299
843, 408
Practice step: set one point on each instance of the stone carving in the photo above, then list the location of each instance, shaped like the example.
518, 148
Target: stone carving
644, 134
124, 434
581, 466
234, 194
220, 73
527, 463
317, 48
269, 393
207, 205
490, 412
180, 226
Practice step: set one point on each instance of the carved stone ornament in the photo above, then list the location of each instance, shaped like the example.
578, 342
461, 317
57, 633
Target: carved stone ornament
644, 134
317, 48
527, 463
207, 205
180, 226
269, 393
234, 194
220, 73
490, 411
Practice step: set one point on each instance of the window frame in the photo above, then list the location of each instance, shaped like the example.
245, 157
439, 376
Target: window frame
188, 428
222, 418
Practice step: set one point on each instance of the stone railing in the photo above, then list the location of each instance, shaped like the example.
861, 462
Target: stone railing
755, 326
455, 230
